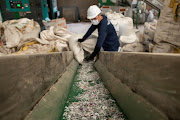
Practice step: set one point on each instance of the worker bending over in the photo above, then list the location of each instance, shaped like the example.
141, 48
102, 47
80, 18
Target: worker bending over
107, 36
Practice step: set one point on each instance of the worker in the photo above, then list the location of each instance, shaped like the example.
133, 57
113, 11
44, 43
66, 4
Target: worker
107, 36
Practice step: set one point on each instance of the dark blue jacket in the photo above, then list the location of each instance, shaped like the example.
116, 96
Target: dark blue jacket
107, 36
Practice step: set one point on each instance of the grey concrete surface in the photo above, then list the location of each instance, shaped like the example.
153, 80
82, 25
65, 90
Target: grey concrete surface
79, 28
24, 79
51, 106
156, 77
133, 105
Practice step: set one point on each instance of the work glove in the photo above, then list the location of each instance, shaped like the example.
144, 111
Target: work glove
81, 40
88, 59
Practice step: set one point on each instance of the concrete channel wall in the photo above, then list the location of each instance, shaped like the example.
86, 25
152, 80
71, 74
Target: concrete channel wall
24, 79
154, 77
51, 106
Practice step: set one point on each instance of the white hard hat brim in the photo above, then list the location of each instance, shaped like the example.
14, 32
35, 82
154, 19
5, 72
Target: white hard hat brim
91, 17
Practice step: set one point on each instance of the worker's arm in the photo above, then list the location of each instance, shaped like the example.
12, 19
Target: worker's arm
101, 37
89, 32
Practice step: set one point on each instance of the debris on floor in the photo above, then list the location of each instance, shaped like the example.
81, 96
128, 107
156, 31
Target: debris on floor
89, 99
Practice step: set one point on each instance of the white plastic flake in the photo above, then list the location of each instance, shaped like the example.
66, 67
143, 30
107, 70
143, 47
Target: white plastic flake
95, 103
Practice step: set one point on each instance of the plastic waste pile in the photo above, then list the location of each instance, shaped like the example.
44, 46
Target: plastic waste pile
119, 20
14, 32
23, 36
151, 45
127, 37
91, 100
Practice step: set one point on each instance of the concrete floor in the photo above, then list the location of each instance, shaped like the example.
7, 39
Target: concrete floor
82, 27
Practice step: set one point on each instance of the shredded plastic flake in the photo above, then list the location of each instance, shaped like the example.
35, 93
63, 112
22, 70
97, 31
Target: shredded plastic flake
89, 99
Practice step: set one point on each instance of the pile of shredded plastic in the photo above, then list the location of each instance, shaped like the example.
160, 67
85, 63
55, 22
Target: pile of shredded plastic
89, 99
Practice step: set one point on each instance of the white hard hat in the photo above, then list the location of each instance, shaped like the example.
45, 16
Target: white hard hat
93, 11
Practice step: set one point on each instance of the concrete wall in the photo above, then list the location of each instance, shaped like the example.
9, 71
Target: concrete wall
134, 106
156, 77
83, 5
24, 79
52, 104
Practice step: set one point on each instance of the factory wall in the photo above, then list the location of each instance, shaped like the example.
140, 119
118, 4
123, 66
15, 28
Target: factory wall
155, 77
69, 8
24, 79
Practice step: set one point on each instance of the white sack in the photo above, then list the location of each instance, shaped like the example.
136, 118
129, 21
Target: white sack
128, 39
123, 25
30, 30
124, 28
16, 31
63, 33
55, 40
148, 35
149, 29
12, 36
78, 48
134, 47
164, 48
90, 43
61, 46
167, 29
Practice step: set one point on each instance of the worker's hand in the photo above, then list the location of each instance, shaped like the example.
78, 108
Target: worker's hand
88, 59
81, 40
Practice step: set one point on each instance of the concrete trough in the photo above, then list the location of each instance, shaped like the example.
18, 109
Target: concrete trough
153, 77
35, 87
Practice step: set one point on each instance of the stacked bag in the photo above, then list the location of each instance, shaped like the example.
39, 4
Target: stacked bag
148, 35
167, 36
127, 37
23, 36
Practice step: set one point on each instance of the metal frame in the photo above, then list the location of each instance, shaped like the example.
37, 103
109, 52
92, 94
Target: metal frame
26, 9
44, 6
1, 15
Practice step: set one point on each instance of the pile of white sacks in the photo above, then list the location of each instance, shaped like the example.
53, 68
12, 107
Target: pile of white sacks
127, 36
23, 36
